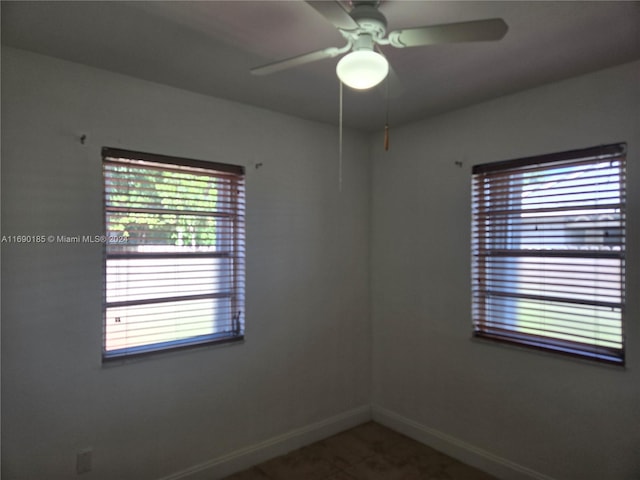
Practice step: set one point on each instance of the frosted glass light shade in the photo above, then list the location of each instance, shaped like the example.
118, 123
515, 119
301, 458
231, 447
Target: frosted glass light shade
362, 69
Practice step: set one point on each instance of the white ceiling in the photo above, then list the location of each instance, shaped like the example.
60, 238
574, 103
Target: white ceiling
209, 47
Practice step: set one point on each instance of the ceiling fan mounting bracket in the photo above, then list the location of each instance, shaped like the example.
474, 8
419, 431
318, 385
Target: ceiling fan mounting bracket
394, 39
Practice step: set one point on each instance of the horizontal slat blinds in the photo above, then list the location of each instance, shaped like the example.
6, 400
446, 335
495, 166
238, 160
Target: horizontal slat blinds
548, 248
174, 262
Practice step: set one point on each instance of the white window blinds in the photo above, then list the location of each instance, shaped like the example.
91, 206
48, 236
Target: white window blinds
548, 250
174, 265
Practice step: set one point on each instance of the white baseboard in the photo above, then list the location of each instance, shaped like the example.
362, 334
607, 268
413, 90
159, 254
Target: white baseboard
230, 463
456, 448
238, 460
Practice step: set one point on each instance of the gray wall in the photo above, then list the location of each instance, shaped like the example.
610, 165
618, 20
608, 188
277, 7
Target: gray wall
307, 352
534, 414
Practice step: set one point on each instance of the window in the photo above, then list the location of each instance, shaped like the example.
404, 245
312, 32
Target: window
174, 256
548, 251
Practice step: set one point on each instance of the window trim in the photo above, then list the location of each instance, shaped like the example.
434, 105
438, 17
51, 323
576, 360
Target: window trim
552, 344
237, 172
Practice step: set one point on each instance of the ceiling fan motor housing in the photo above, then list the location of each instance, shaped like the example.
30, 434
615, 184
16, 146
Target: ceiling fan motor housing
370, 20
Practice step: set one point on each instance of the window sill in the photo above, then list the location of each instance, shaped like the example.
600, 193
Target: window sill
168, 353
548, 353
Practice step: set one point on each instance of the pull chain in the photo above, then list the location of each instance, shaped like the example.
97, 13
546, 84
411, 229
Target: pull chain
386, 122
340, 141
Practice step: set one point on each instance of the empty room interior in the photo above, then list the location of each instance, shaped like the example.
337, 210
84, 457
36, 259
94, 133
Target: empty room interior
218, 247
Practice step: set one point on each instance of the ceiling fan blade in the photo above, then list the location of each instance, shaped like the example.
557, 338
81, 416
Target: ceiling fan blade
335, 12
475, 31
295, 61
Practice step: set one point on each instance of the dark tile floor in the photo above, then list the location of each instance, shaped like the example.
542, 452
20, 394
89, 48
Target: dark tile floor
367, 452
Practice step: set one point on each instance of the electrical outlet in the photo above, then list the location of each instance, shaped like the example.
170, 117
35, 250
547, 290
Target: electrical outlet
83, 461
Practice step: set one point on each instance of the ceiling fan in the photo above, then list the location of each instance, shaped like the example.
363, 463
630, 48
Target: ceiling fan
364, 27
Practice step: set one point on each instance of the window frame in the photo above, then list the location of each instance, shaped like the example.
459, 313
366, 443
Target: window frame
234, 202
487, 233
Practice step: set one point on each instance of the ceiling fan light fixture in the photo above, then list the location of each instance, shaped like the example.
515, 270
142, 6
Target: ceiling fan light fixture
362, 69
